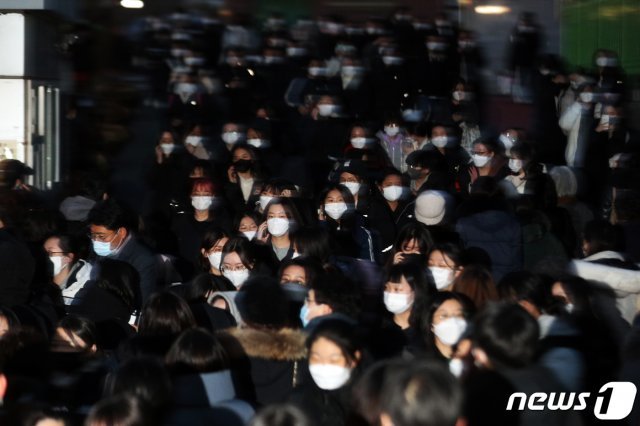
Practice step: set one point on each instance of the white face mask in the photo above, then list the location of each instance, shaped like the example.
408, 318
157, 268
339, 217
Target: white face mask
480, 160
186, 89
515, 165
458, 95
586, 97
443, 277
317, 71
249, 234
392, 193
358, 143
325, 110
397, 303
335, 210
329, 377
256, 142
201, 202
167, 148
215, 259
232, 137
278, 226
57, 264
391, 130
354, 187
392, 60
350, 71
193, 140
237, 278
439, 141
264, 201
450, 330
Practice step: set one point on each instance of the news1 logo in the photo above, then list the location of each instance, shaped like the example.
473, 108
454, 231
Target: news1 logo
614, 401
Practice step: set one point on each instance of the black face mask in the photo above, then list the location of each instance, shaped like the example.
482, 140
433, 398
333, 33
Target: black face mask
414, 174
243, 166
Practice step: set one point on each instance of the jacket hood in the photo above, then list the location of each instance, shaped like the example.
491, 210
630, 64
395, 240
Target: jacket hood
623, 281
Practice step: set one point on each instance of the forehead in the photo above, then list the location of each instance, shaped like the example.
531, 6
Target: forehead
99, 229
295, 270
450, 305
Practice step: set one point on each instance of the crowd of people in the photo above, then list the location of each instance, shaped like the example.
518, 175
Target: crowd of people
337, 238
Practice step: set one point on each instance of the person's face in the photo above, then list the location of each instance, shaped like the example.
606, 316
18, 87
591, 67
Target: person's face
449, 309
196, 131
391, 180
247, 224
230, 127
253, 134
481, 149
105, 235
348, 177
324, 351
358, 132
201, 192
4, 326
293, 274
276, 210
411, 246
50, 422
197, 172
232, 262
315, 309
441, 260
334, 196
241, 154
52, 248
217, 246
167, 138
401, 287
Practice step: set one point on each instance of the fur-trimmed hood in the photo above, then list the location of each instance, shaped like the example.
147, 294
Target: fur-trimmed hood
279, 345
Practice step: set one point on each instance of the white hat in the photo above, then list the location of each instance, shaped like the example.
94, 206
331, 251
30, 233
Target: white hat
430, 207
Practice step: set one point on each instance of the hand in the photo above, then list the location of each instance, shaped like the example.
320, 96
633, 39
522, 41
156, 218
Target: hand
159, 155
602, 127
263, 233
232, 175
398, 258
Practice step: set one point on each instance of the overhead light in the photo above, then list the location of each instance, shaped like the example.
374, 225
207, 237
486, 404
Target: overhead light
490, 9
132, 4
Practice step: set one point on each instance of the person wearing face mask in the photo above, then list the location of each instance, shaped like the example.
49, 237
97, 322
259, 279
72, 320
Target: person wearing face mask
407, 292
446, 320
331, 296
390, 138
260, 136
281, 219
208, 213
428, 171
526, 177
112, 237
232, 134
362, 146
414, 241
356, 88
434, 74
70, 273
486, 160
246, 224
195, 143
445, 264
268, 355
244, 178
352, 174
335, 357
213, 242
348, 235
445, 139
386, 208
577, 124
465, 113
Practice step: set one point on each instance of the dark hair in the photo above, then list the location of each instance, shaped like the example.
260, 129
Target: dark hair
347, 219
245, 251
121, 280
281, 415
290, 209
452, 250
424, 289
108, 213
257, 218
525, 286
256, 170
312, 269
165, 314
81, 327
437, 300
507, 334
69, 244
602, 235
205, 283
422, 394
209, 239
417, 231
367, 391
476, 282
142, 377
121, 410
314, 242
196, 351
262, 302
338, 292
490, 143
343, 334
390, 171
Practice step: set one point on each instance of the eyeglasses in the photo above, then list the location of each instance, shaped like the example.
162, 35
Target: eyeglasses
480, 152
101, 237
50, 253
233, 268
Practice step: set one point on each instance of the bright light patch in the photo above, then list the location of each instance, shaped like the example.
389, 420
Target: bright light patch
492, 10
132, 4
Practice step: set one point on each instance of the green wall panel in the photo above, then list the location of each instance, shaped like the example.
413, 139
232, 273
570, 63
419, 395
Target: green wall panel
610, 24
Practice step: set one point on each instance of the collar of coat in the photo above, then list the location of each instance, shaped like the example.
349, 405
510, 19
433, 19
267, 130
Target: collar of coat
280, 345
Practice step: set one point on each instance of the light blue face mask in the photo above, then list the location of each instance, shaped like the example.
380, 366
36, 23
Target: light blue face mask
101, 248
304, 312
